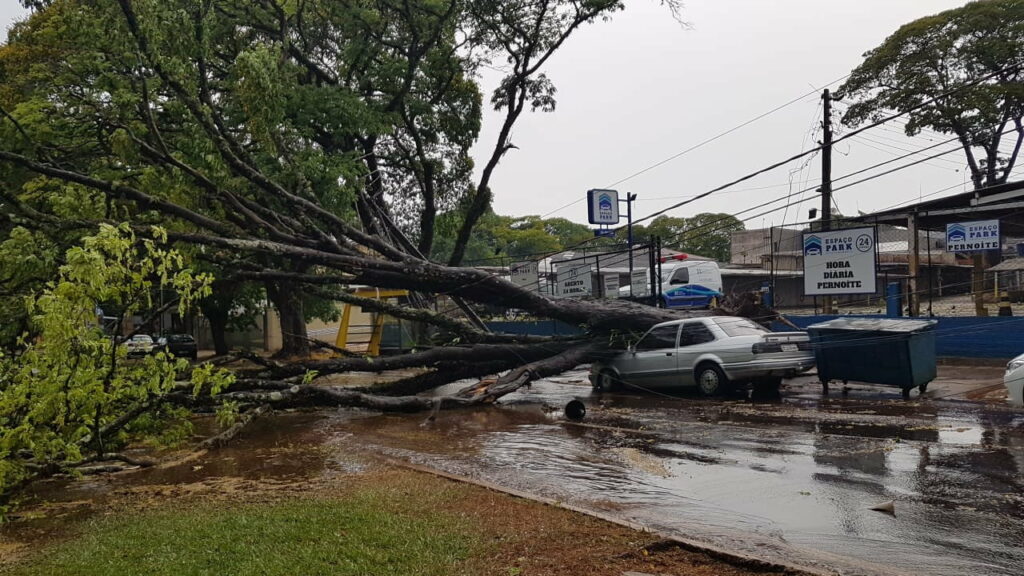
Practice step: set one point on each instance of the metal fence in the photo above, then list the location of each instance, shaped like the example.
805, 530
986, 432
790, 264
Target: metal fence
611, 271
943, 282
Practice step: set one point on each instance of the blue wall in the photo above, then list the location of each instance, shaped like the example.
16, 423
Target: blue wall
995, 337
544, 328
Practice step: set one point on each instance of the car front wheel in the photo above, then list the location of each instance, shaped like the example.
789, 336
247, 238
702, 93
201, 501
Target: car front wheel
607, 381
711, 380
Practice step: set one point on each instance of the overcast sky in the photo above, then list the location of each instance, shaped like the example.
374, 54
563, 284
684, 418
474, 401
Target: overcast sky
639, 89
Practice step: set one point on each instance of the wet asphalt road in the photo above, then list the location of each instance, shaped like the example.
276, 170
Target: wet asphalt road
790, 479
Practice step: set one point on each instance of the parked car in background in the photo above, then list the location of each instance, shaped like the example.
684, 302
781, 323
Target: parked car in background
181, 345
139, 345
687, 283
1014, 380
714, 354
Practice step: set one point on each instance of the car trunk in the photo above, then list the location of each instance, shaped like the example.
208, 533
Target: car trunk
784, 345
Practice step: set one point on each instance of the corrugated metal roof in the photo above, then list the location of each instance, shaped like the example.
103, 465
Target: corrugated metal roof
1008, 266
874, 325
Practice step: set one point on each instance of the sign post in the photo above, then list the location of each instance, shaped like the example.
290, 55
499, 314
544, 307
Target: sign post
840, 262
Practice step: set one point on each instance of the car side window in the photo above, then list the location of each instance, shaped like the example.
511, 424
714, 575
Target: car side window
695, 333
662, 337
680, 276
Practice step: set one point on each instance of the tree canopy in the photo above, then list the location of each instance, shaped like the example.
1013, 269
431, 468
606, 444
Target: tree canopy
969, 61
303, 146
706, 234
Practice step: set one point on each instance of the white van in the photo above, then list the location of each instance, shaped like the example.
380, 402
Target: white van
688, 283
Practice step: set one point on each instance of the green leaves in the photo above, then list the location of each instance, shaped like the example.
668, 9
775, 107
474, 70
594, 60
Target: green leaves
62, 388
706, 234
969, 60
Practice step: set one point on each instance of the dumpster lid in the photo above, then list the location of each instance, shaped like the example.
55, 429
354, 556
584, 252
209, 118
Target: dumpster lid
875, 324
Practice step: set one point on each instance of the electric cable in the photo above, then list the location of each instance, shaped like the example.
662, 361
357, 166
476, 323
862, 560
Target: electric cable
705, 142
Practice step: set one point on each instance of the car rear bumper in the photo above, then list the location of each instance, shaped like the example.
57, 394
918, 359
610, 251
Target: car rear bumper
768, 368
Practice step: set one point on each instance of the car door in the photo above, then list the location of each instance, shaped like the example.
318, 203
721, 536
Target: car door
678, 295
653, 359
695, 340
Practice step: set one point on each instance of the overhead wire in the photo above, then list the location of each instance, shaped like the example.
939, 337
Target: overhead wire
860, 130
704, 143
848, 136
700, 229
704, 228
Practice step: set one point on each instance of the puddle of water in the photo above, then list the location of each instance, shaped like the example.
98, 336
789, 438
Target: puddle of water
783, 480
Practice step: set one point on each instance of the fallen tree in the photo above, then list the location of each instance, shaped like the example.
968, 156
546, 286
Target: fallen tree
226, 125
311, 146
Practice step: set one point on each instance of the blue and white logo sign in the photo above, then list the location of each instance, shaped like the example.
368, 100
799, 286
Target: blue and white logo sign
812, 246
840, 262
603, 206
973, 236
955, 233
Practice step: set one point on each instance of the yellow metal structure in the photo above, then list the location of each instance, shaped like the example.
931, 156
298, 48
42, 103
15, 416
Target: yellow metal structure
373, 347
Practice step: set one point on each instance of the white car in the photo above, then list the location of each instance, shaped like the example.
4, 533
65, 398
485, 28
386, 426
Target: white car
712, 353
1014, 380
140, 345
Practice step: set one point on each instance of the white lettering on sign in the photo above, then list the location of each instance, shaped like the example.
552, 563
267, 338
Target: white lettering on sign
840, 262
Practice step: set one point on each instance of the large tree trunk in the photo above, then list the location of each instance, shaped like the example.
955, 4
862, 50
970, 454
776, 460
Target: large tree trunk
217, 310
287, 298
219, 331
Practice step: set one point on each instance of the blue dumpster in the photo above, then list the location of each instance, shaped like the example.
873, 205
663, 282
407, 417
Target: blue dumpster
876, 350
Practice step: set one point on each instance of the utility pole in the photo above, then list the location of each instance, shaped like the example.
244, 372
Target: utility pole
630, 197
826, 178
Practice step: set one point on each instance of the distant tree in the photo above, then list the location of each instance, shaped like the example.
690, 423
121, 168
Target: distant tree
569, 233
710, 234
498, 238
670, 230
936, 55
706, 234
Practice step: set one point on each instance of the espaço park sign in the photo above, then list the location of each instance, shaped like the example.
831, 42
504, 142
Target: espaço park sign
840, 262
973, 236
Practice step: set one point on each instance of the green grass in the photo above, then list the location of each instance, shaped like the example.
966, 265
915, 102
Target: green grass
357, 536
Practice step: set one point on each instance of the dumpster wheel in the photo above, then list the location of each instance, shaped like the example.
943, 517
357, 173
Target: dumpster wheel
906, 393
923, 388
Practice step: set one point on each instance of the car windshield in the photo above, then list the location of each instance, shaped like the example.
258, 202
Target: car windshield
660, 337
141, 338
179, 338
740, 327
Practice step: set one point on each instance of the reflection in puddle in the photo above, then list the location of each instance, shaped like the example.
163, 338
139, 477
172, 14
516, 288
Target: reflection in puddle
782, 480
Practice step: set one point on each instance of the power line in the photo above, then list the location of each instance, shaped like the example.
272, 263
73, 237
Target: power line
799, 192
804, 154
709, 140
822, 147
885, 148
841, 178
703, 143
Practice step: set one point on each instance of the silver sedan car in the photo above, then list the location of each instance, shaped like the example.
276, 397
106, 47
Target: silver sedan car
713, 354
